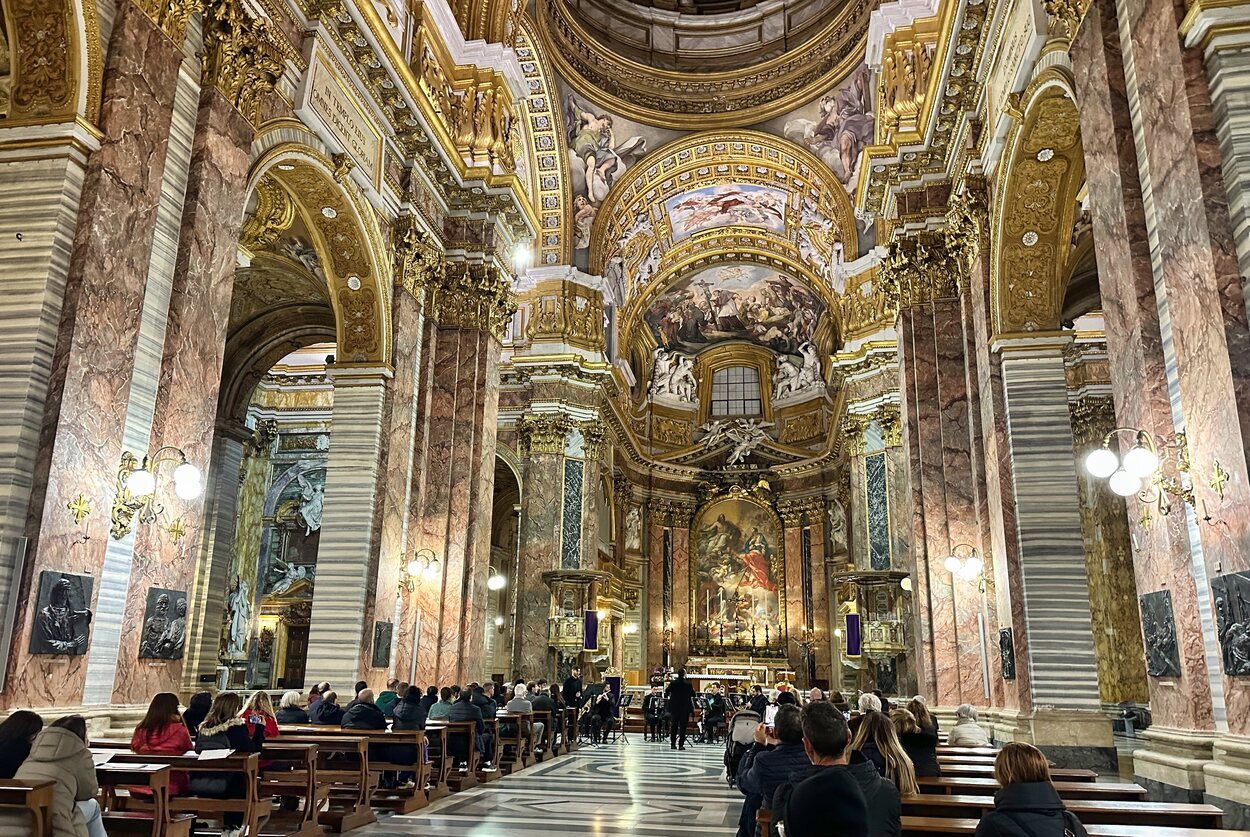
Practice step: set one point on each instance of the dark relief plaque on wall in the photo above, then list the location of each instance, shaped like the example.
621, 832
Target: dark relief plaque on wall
1007, 653
1163, 658
62, 614
1232, 621
382, 644
164, 625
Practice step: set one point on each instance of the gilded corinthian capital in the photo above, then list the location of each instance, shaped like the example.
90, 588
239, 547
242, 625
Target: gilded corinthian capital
919, 270
418, 260
171, 15
543, 432
967, 223
242, 58
473, 296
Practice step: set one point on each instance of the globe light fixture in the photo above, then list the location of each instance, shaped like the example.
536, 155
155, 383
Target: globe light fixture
1124, 484
136, 487
968, 567
953, 564
905, 584
1101, 463
496, 582
630, 628
1141, 461
141, 483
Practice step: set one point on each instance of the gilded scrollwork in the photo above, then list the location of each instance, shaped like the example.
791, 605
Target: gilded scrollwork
540, 433
567, 312
274, 215
418, 260
906, 67
919, 270
473, 296
242, 57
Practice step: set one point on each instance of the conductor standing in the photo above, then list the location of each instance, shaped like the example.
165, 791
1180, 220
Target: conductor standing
680, 698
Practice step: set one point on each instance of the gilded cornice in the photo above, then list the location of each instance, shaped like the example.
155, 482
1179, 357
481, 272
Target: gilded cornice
697, 101
171, 16
919, 270
1092, 419
567, 312
543, 433
801, 510
549, 148
473, 296
677, 513
904, 81
242, 57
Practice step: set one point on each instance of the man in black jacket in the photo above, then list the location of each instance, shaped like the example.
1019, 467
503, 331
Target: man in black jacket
653, 712
573, 688
769, 763
851, 799
464, 709
680, 699
327, 710
714, 717
363, 713
759, 701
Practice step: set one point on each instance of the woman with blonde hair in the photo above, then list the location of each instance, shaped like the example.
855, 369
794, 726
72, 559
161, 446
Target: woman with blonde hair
919, 744
259, 714
877, 741
1027, 803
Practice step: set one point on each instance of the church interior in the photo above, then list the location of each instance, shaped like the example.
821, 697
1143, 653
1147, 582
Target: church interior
839, 348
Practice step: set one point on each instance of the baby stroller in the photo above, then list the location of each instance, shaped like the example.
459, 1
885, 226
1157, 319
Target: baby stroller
739, 739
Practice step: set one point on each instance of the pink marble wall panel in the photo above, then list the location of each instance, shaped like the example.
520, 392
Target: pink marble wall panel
820, 603
792, 596
1161, 553
655, 593
81, 442
186, 404
449, 364
681, 591
542, 492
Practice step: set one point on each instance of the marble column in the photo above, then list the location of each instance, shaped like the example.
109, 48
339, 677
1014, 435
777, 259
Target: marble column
1109, 566
1144, 370
336, 635
240, 65
543, 438
657, 596
1060, 648
594, 445
84, 414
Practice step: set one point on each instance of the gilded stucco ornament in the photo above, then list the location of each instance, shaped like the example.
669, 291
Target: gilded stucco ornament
919, 270
568, 312
274, 215
473, 296
543, 433
44, 75
418, 260
171, 15
242, 57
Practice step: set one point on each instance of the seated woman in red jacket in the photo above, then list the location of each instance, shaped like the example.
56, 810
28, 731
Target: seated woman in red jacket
162, 732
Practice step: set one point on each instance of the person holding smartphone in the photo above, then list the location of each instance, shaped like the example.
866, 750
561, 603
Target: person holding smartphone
769, 763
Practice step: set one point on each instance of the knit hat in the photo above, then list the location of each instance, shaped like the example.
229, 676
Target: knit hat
829, 804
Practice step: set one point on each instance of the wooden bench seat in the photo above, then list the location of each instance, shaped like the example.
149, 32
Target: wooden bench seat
157, 820
943, 750
944, 759
290, 772
916, 826
1059, 774
345, 781
398, 800
1067, 790
518, 742
488, 771
460, 736
1110, 812
34, 799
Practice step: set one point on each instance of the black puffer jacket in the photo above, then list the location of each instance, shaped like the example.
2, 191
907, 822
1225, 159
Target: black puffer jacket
409, 714
885, 812
1029, 809
291, 715
921, 748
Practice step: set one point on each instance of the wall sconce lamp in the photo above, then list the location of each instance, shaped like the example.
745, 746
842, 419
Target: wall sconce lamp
1140, 472
968, 567
136, 487
496, 582
422, 566
499, 624
630, 628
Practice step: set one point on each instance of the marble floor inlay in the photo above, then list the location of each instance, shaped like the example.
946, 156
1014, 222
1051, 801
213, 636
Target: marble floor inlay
619, 789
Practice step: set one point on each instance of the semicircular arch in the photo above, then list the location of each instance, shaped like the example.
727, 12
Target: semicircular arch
349, 241
1036, 208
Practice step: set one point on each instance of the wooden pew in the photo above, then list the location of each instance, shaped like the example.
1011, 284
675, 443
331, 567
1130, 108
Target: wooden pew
943, 750
156, 819
485, 774
33, 799
542, 747
255, 811
570, 729
986, 771
1067, 790
458, 735
398, 800
291, 773
942, 759
918, 826
440, 760
1182, 815
516, 743
344, 777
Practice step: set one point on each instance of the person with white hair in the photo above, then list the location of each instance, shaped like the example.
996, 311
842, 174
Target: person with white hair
868, 702
521, 705
967, 732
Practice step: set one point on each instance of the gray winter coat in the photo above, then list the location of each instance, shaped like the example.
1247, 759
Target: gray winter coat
60, 756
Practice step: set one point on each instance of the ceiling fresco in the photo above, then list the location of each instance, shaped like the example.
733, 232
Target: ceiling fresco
735, 302
724, 205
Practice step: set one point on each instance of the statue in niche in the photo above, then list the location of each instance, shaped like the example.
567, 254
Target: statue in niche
837, 527
809, 375
60, 627
633, 528
240, 608
792, 378
673, 376
289, 574
1159, 633
312, 504
1007, 653
1232, 621
887, 676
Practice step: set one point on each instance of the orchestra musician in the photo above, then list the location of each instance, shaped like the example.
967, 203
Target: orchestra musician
653, 713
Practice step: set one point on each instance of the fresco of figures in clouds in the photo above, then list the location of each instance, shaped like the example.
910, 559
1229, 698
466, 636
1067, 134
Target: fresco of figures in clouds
836, 127
736, 302
724, 205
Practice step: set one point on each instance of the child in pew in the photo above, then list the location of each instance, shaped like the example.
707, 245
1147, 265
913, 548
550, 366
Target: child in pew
162, 732
1028, 804
223, 729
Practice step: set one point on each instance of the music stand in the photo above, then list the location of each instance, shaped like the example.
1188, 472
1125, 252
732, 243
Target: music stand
625, 701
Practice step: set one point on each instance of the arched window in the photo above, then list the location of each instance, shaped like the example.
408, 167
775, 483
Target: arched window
736, 391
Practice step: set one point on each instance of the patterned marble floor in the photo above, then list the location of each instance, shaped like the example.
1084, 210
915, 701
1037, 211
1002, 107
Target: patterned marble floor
636, 788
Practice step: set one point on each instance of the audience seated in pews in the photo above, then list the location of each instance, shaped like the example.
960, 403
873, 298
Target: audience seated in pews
885, 702
315, 693
363, 713
197, 708
1028, 803
429, 699
326, 711
967, 732
410, 710
17, 734
59, 754
769, 763
465, 709
520, 703
259, 714
835, 795
815, 695
542, 701
481, 701
919, 708
839, 702
489, 691
162, 732
442, 709
920, 746
290, 711
878, 742
223, 729
867, 703
386, 700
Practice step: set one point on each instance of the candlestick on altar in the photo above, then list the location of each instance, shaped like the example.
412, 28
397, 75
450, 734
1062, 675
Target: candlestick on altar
752, 634
707, 606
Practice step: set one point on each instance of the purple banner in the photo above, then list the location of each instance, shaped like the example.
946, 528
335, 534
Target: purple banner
853, 635
592, 631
